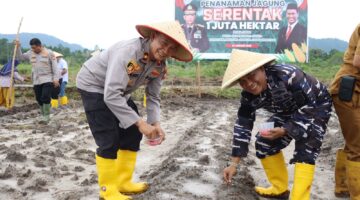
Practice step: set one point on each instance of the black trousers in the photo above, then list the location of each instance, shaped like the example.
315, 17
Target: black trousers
104, 126
43, 93
56, 90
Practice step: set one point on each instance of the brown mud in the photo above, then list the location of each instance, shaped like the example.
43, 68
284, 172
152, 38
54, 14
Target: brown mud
56, 161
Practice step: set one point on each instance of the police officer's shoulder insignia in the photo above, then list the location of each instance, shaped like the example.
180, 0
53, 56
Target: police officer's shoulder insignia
132, 67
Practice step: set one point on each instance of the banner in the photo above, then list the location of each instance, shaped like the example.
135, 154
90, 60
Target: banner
214, 27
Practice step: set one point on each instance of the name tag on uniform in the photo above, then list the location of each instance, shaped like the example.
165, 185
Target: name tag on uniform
197, 34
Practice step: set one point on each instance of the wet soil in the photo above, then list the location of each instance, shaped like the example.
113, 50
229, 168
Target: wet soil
57, 161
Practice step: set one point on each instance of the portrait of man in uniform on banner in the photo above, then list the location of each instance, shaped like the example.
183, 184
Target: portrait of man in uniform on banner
195, 33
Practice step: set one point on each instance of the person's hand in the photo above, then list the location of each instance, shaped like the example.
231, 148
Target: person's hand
146, 129
229, 172
63, 72
274, 133
160, 131
17, 42
56, 83
165, 73
26, 79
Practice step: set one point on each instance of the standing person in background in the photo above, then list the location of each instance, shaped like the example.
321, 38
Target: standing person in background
345, 91
45, 74
294, 32
60, 91
195, 33
301, 108
7, 93
106, 82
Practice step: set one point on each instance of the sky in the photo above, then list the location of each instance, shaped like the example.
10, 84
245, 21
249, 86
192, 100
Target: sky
103, 23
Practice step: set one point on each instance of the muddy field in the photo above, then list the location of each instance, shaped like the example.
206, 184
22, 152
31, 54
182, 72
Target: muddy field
56, 161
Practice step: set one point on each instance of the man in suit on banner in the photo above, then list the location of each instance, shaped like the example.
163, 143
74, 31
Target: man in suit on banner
294, 32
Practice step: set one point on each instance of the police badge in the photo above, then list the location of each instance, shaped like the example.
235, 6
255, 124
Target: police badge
132, 67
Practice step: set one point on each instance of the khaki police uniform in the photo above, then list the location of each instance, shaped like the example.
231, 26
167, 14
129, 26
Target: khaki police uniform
349, 112
106, 82
44, 72
347, 166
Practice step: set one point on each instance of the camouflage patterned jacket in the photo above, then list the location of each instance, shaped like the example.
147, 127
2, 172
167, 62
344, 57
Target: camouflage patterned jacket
300, 102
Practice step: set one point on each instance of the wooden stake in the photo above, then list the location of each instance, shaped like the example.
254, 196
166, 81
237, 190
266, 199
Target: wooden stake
13, 62
198, 75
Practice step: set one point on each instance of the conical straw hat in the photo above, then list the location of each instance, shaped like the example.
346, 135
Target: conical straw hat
241, 63
172, 30
56, 54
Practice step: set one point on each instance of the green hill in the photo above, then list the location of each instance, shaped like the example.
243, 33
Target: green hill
47, 40
327, 44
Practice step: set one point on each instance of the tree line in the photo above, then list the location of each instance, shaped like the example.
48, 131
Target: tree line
73, 58
317, 57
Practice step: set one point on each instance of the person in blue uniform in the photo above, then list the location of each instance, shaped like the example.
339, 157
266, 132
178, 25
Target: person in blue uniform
300, 106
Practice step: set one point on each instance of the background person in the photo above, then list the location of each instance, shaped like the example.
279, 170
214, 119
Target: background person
301, 108
106, 82
347, 84
45, 74
60, 91
7, 93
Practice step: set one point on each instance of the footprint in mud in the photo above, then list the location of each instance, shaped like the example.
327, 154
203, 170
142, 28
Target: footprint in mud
79, 169
15, 193
64, 168
85, 155
57, 153
3, 148
16, 109
73, 195
42, 161
75, 178
204, 160
9, 172
20, 182
65, 146
38, 185
15, 156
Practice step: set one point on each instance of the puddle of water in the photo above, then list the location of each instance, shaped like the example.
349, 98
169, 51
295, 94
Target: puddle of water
10, 182
67, 137
211, 176
199, 189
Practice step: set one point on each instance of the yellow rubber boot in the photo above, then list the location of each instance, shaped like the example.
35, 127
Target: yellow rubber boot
353, 179
106, 169
341, 188
54, 103
303, 177
126, 161
63, 100
277, 175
